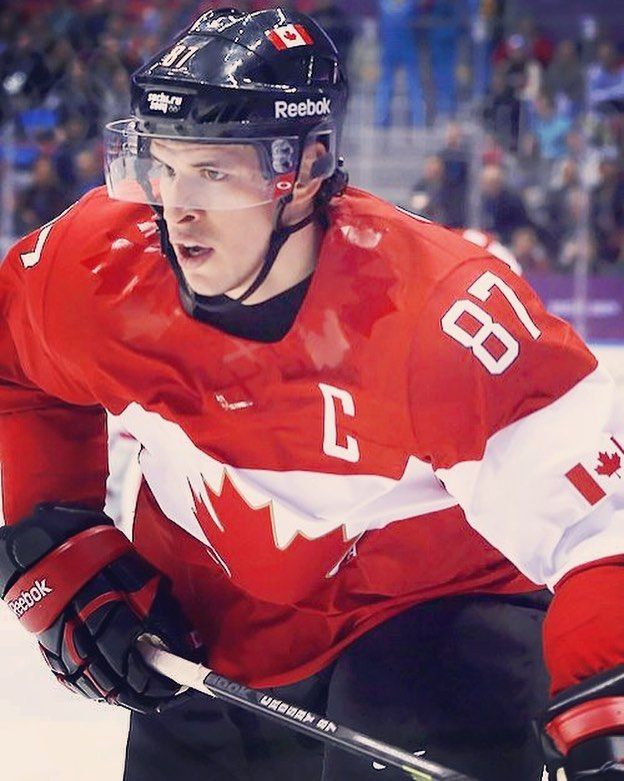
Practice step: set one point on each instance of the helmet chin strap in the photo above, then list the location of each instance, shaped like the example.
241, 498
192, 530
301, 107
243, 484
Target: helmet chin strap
279, 237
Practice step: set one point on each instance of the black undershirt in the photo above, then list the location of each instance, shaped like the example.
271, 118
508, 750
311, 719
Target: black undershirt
268, 321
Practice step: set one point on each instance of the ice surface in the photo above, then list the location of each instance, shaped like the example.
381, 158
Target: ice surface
46, 733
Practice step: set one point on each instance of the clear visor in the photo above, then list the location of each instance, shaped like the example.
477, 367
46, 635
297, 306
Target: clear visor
202, 173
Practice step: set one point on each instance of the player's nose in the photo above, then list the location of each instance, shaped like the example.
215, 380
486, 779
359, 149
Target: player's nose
181, 201
181, 214
180, 210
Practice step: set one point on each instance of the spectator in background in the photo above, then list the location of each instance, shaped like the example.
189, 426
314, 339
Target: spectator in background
515, 86
398, 52
539, 43
492, 153
486, 32
39, 32
502, 210
539, 46
64, 21
443, 37
9, 25
42, 200
71, 139
605, 79
522, 71
431, 194
111, 54
606, 96
141, 45
77, 94
607, 212
549, 130
336, 23
23, 70
88, 169
59, 58
576, 144
577, 244
501, 111
152, 18
455, 156
93, 21
557, 203
115, 96
564, 79
528, 250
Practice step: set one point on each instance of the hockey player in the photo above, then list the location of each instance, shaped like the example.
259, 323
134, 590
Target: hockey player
366, 446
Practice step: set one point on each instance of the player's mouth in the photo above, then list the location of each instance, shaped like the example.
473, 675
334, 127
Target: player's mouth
192, 255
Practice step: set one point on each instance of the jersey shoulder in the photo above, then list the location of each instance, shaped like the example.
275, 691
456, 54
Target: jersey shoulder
484, 354
420, 253
84, 230
52, 280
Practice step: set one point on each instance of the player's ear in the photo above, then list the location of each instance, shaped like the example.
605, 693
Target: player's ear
311, 176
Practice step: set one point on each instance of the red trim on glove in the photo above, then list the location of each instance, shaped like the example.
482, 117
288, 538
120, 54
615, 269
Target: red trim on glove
70, 644
98, 602
42, 593
140, 601
588, 720
143, 599
68, 641
584, 627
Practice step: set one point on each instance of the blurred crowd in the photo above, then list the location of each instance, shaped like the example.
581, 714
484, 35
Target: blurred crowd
545, 175
549, 156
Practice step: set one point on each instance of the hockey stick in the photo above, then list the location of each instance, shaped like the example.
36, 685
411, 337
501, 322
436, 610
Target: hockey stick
205, 680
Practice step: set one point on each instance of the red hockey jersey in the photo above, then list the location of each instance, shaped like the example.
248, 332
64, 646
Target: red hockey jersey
425, 428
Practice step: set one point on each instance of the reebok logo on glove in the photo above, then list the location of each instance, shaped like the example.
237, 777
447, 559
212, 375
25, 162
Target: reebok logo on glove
28, 599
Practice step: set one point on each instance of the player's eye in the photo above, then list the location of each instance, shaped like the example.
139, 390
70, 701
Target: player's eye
166, 170
214, 174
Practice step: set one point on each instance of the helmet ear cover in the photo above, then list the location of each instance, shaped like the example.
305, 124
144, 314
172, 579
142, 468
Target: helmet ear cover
323, 166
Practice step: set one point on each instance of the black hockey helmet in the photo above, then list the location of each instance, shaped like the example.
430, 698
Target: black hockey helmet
270, 79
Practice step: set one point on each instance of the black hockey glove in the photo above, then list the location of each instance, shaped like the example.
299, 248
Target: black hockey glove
584, 729
79, 585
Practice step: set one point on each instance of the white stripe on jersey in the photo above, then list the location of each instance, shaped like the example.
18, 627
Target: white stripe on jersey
309, 503
518, 497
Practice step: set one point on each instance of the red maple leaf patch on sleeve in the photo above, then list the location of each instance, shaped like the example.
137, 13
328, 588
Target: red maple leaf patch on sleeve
608, 464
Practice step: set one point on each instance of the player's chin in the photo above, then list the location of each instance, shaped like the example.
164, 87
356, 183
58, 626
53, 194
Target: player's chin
202, 288
217, 278
204, 283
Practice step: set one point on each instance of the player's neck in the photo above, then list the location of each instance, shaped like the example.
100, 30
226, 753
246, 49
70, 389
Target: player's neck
296, 260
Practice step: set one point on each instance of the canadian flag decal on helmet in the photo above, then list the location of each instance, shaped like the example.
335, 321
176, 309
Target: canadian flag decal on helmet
288, 36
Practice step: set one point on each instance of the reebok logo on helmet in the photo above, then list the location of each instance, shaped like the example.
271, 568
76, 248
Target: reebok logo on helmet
285, 109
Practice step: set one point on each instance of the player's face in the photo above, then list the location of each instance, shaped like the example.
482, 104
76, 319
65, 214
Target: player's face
218, 211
